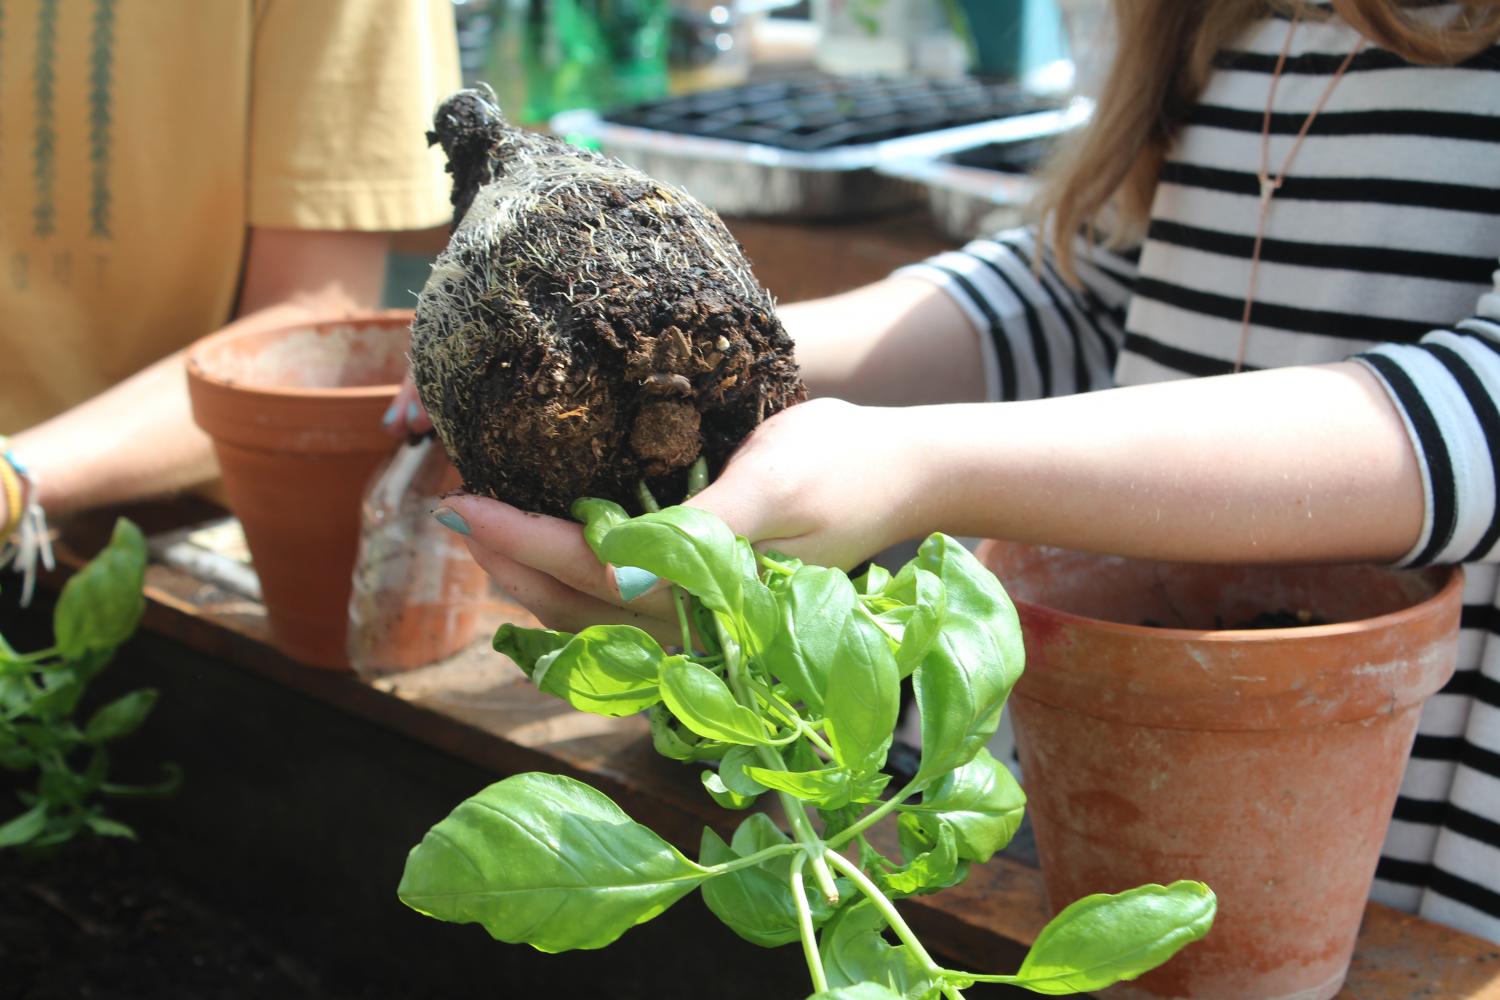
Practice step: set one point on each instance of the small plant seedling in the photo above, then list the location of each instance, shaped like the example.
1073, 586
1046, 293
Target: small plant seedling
787, 685
97, 611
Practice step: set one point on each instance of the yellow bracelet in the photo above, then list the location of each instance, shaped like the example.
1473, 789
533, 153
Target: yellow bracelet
10, 483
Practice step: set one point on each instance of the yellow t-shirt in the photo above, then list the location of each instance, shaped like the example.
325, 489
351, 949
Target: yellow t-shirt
139, 139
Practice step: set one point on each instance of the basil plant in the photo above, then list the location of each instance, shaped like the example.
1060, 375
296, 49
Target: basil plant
787, 686
40, 691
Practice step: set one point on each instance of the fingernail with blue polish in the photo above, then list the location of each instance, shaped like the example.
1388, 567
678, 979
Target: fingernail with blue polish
633, 582
449, 519
391, 414
412, 413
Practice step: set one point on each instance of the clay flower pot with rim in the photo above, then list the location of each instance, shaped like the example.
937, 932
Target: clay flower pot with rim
1264, 762
294, 413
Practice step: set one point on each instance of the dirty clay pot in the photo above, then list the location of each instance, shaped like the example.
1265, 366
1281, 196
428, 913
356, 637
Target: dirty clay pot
1263, 762
294, 413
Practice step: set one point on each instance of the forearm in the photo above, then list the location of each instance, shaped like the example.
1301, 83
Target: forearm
898, 342
1295, 464
138, 439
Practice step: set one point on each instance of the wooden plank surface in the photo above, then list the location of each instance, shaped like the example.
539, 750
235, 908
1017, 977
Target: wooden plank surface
479, 708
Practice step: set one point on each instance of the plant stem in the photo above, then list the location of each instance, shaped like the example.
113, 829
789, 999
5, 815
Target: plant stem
805, 927
887, 910
872, 817
796, 813
648, 500
682, 620
751, 860
697, 478
773, 565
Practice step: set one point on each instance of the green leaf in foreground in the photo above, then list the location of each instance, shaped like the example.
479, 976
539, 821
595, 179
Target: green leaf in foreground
972, 662
102, 603
855, 951
860, 991
1104, 939
525, 646
981, 801
120, 717
704, 704
547, 860
599, 517
605, 669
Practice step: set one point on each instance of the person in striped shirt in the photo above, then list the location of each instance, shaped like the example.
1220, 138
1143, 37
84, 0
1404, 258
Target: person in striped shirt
1261, 322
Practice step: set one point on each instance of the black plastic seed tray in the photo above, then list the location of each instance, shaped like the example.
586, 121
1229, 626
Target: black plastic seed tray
1005, 157
811, 146
816, 113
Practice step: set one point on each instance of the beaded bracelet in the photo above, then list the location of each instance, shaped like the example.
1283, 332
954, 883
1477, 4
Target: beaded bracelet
14, 492
25, 542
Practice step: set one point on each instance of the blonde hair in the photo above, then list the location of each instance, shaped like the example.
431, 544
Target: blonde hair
1102, 182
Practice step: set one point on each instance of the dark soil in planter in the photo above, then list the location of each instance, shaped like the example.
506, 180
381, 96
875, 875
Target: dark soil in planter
1264, 620
104, 919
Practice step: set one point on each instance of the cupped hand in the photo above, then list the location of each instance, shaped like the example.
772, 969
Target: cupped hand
826, 481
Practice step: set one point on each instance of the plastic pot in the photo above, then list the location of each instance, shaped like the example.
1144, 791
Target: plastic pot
1156, 744
294, 413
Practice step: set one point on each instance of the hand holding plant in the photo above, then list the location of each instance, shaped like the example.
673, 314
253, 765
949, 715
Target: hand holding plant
789, 681
97, 611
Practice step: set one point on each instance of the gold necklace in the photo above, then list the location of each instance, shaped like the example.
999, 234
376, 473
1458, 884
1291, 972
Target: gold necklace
1269, 185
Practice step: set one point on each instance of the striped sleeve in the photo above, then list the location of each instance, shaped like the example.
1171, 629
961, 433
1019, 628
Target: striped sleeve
1042, 337
1447, 389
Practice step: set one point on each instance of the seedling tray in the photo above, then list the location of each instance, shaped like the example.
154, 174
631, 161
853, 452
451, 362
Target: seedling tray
807, 146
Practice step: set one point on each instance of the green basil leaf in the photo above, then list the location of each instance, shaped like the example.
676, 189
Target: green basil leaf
120, 717
972, 663
863, 697
671, 740
102, 603
982, 802
813, 608
25, 828
106, 827
525, 646
932, 860
695, 550
830, 788
752, 902
732, 771
605, 669
685, 545
61, 690
722, 794
854, 952
873, 581
704, 704
1104, 939
599, 517
547, 860
920, 626
859, 991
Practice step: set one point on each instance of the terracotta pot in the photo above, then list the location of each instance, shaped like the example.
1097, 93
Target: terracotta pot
295, 417
1263, 762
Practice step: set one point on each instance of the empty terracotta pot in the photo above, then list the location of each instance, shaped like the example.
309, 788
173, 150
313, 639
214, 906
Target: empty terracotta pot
1157, 744
295, 417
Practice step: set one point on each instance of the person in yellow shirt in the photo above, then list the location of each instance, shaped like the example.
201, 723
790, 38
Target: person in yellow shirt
167, 167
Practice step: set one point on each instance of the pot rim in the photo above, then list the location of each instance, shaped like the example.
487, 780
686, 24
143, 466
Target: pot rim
373, 317
1452, 581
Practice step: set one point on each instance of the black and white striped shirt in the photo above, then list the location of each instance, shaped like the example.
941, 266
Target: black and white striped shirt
1382, 244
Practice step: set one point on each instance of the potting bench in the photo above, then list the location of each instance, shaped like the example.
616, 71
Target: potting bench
306, 788
340, 776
